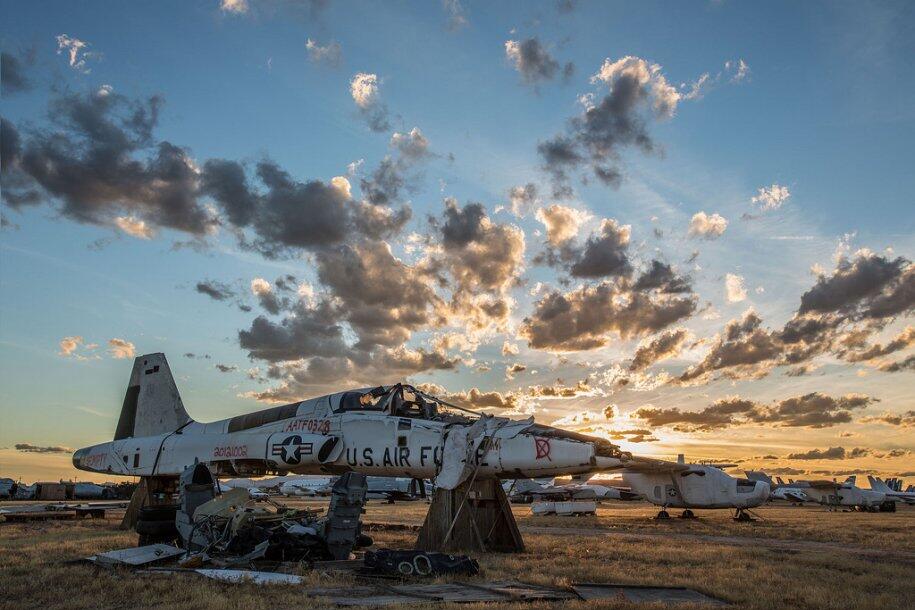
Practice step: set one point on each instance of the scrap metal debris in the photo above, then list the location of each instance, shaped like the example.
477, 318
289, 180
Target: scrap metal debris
419, 563
136, 556
380, 594
233, 530
644, 594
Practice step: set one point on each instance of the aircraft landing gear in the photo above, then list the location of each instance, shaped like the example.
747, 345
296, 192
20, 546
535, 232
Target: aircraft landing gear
663, 514
743, 516
688, 514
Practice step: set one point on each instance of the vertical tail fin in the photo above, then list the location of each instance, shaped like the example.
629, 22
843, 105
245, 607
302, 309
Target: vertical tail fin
152, 404
878, 485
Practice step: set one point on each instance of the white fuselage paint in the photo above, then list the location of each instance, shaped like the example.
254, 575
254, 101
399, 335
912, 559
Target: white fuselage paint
846, 495
689, 489
319, 439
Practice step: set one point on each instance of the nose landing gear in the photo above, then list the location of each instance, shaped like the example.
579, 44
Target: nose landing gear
663, 514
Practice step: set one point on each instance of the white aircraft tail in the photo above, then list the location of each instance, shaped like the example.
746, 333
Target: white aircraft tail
152, 404
878, 485
758, 475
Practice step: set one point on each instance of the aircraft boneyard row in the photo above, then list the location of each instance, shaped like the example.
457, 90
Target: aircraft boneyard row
394, 431
399, 431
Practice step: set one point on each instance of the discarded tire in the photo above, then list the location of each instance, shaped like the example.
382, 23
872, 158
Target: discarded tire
157, 528
158, 513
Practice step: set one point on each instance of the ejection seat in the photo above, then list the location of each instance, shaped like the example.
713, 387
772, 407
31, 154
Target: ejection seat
196, 487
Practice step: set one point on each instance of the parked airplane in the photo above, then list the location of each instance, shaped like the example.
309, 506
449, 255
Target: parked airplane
397, 488
526, 491
688, 486
897, 496
834, 495
789, 492
307, 486
386, 431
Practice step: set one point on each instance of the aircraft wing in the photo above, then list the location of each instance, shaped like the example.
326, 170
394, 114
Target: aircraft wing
795, 497
823, 484
650, 465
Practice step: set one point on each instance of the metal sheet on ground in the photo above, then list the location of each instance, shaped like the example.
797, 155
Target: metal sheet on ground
137, 556
645, 594
258, 578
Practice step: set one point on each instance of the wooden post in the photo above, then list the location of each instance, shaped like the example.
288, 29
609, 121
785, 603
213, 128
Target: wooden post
152, 491
139, 499
484, 523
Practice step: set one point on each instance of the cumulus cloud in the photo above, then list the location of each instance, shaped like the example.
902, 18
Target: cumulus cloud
832, 453
369, 284
412, 146
330, 54
30, 448
480, 261
903, 340
134, 227
666, 345
291, 215
739, 349
216, 290
237, 7
813, 410
509, 349
706, 226
739, 70
13, 69
836, 315
68, 345
771, 197
870, 286
93, 163
522, 199
661, 276
905, 420
120, 348
604, 254
559, 390
589, 316
263, 290
364, 88
533, 61
514, 369
734, 288
562, 223
225, 368
907, 364
75, 50
638, 92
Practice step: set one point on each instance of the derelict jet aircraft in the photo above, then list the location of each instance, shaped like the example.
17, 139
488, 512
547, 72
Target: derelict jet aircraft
788, 492
687, 486
847, 494
891, 494
391, 431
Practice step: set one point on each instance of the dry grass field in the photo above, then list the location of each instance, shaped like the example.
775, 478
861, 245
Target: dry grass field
793, 557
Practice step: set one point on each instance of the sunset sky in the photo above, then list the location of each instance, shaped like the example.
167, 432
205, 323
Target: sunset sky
684, 226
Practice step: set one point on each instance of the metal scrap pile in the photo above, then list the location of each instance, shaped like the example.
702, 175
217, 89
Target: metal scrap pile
233, 529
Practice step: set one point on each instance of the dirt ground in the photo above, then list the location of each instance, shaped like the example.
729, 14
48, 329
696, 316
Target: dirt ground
799, 557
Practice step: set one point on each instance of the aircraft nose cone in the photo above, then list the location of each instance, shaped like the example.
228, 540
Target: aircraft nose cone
762, 491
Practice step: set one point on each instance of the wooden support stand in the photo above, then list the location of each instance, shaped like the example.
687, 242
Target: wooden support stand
474, 517
152, 491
